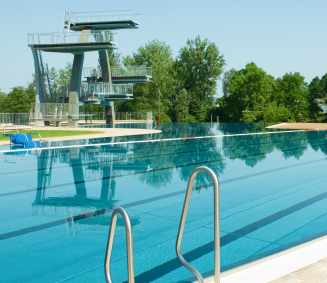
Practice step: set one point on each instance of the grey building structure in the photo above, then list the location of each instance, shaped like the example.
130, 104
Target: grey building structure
87, 32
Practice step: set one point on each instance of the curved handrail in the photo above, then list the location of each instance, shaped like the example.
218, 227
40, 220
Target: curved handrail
216, 223
129, 242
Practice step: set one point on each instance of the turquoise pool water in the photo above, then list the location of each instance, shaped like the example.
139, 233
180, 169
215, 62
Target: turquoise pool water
56, 204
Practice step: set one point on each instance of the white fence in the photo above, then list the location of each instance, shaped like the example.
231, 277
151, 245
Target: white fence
14, 119
96, 90
63, 38
99, 16
125, 116
55, 110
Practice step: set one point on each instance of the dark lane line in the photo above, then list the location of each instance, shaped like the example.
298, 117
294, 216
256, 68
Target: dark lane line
135, 203
173, 264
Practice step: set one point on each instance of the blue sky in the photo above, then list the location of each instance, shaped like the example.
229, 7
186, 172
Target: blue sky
279, 36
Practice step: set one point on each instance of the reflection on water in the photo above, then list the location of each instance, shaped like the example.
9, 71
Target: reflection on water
154, 163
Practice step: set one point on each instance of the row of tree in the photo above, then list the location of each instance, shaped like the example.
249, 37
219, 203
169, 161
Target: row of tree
182, 89
251, 95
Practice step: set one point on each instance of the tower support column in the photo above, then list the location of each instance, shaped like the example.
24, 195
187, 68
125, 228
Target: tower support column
74, 91
106, 78
110, 114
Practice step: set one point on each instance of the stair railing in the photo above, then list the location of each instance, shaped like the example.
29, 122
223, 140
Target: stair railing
216, 224
129, 242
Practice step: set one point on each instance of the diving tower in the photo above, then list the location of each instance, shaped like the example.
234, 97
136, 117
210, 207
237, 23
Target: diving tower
88, 32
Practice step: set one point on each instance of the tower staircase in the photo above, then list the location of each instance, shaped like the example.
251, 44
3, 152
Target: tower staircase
44, 72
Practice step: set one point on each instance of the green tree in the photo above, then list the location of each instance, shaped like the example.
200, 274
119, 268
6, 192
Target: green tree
292, 92
155, 95
316, 89
19, 99
250, 93
323, 83
226, 81
64, 75
181, 107
3, 97
198, 67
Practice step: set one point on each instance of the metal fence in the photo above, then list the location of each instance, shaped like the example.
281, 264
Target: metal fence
65, 38
132, 116
99, 16
55, 110
125, 116
119, 71
105, 89
131, 71
14, 119
92, 72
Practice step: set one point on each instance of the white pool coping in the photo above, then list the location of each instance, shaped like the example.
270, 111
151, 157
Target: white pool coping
277, 265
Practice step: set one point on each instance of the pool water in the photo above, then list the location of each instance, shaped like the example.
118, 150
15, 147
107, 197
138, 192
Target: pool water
56, 203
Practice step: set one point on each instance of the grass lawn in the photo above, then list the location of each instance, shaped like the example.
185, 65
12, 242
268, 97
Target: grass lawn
49, 134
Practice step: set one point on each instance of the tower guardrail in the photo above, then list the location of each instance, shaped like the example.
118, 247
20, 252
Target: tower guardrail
62, 38
105, 89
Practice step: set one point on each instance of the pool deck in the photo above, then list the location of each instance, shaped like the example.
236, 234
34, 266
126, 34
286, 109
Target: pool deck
305, 263
300, 126
108, 132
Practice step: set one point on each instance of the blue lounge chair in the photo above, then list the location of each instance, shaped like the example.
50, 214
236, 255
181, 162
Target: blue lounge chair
25, 140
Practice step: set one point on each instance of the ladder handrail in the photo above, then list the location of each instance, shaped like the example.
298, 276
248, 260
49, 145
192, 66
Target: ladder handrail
129, 242
216, 223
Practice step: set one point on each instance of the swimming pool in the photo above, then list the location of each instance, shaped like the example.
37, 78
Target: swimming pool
56, 203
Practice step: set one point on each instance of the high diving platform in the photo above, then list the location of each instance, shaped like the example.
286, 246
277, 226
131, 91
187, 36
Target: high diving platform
80, 33
70, 43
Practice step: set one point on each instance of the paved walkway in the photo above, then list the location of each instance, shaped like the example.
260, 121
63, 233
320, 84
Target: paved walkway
313, 273
300, 126
108, 132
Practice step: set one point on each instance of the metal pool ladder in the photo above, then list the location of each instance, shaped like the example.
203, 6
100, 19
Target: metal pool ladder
216, 223
129, 242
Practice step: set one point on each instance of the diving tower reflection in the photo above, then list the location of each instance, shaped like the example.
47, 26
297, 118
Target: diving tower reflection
87, 164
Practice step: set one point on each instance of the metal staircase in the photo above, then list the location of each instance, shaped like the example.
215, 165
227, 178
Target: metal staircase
44, 72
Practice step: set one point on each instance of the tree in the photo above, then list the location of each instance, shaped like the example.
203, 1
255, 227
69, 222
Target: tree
180, 106
292, 92
250, 93
198, 67
316, 89
155, 95
226, 81
19, 99
3, 97
323, 83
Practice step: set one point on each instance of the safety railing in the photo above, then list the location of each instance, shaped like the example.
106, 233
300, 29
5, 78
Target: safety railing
42, 110
129, 243
216, 224
64, 38
133, 116
119, 71
14, 119
105, 89
131, 71
92, 72
99, 16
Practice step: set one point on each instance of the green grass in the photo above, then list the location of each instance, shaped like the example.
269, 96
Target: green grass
50, 134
